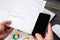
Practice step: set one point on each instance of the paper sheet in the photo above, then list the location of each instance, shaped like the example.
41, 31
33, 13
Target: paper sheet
22, 13
46, 11
56, 29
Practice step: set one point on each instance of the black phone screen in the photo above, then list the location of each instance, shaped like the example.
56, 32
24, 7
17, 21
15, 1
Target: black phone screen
41, 24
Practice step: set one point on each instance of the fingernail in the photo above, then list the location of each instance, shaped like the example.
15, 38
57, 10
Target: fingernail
8, 25
37, 34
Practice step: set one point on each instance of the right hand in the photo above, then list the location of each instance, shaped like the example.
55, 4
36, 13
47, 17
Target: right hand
49, 34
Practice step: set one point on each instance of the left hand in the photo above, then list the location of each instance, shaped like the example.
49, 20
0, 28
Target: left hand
5, 30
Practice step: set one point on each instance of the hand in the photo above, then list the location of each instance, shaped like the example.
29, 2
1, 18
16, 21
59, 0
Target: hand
4, 29
49, 34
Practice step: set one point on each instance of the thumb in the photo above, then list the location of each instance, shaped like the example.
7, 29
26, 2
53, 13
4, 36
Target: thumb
2, 24
6, 22
38, 36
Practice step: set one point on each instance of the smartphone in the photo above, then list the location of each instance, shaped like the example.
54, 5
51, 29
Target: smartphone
41, 24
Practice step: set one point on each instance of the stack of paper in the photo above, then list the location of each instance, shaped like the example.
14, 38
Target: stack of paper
22, 13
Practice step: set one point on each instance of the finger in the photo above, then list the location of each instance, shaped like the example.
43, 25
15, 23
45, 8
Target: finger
3, 36
50, 33
2, 25
6, 22
39, 37
34, 38
49, 28
9, 30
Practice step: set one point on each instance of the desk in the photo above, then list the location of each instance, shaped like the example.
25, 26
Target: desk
53, 4
56, 9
